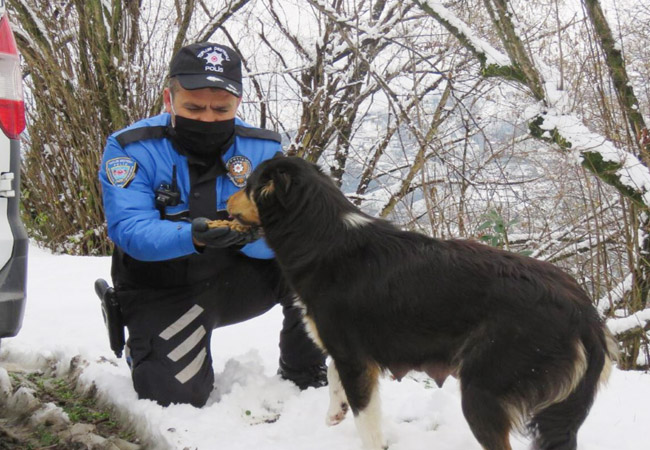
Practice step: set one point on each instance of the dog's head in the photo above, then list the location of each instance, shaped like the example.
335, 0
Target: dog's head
271, 185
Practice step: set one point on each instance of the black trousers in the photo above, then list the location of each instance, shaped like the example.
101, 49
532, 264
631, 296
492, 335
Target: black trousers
170, 329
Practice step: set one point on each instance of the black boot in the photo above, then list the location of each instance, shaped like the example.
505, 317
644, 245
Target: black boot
312, 376
301, 361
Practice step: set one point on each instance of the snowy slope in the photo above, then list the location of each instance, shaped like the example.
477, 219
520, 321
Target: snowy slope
63, 320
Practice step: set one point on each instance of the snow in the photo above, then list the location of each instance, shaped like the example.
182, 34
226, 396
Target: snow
63, 320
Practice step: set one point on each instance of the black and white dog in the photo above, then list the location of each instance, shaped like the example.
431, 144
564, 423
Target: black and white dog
524, 340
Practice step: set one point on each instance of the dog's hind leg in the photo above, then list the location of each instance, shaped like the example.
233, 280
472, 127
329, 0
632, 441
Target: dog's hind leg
556, 426
361, 384
486, 417
338, 401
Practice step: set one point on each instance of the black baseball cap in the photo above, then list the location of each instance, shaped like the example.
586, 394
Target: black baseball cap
205, 65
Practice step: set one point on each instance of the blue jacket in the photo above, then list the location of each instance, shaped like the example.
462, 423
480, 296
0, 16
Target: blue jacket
131, 173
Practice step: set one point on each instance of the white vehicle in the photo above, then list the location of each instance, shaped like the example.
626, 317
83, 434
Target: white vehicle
13, 238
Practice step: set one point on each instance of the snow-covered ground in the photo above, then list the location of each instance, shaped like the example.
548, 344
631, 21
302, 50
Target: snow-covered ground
63, 320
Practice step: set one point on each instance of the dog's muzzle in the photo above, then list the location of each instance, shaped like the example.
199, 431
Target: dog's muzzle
243, 209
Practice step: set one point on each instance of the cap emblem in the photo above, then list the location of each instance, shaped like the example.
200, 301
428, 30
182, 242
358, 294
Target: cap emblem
214, 58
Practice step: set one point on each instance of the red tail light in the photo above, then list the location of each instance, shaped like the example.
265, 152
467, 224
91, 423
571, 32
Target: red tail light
12, 105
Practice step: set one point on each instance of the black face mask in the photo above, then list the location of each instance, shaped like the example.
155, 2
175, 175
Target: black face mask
203, 140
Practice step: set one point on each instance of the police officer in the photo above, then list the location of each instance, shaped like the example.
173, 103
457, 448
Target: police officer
176, 279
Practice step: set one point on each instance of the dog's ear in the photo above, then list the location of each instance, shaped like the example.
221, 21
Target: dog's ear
282, 183
275, 182
282, 180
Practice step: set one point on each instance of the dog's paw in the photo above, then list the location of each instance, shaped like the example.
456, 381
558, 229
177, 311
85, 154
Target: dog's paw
376, 446
336, 414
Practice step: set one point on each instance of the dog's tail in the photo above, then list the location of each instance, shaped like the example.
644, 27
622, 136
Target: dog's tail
556, 426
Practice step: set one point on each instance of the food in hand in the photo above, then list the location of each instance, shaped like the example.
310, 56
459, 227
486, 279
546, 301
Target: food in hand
232, 224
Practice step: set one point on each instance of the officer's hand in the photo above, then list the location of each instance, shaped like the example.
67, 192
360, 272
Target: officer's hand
220, 237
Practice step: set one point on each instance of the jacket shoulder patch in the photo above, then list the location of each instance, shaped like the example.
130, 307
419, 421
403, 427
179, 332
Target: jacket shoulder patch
121, 171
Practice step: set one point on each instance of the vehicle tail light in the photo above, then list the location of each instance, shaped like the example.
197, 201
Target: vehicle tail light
12, 105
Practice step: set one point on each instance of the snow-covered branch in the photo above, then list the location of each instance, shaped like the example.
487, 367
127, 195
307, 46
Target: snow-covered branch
616, 295
616, 166
482, 50
638, 320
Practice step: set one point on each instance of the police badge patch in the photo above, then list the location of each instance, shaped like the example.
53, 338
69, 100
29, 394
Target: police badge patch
239, 168
121, 171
